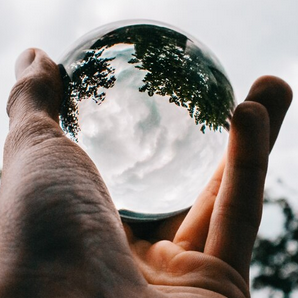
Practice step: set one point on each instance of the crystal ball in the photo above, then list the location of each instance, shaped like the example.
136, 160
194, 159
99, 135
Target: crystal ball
151, 106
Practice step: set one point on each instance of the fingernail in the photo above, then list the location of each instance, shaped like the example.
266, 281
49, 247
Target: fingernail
23, 62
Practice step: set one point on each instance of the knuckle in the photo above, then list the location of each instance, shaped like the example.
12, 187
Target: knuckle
251, 167
36, 91
241, 216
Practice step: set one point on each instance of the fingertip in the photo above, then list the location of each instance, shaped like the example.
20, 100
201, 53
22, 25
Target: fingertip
250, 135
24, 61
271, 90
31, 60
38, 87
250, 117
276, 96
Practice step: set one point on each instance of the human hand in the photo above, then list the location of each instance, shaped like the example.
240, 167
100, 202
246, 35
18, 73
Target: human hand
61, 236
221, 227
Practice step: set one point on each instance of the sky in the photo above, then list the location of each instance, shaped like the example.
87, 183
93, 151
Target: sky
250, 38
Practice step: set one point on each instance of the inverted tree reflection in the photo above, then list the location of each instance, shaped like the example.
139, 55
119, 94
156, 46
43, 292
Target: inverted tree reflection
174, 67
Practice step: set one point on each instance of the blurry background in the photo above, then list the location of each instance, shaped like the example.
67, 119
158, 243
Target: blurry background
250, 39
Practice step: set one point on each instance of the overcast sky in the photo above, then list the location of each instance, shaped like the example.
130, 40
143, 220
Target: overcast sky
250, 38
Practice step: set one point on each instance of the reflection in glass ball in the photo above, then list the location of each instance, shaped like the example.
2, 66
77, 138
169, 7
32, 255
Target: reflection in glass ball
151, 106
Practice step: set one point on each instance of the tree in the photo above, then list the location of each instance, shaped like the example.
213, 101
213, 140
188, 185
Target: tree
184, 75
277, 260
89, 75
174, 68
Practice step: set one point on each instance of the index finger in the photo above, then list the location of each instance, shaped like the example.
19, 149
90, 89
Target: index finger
237, 210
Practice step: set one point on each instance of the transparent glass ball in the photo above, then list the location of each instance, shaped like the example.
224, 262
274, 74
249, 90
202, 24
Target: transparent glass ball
151, 106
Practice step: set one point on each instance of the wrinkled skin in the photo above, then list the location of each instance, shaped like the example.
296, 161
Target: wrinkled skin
60, 235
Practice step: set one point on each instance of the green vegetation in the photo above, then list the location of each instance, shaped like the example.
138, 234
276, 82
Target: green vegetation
173, 67
277, 260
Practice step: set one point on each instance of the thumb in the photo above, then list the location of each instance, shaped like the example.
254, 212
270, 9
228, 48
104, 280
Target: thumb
23, 62
38, 87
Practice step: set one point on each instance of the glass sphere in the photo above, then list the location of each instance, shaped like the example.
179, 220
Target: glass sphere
151, 106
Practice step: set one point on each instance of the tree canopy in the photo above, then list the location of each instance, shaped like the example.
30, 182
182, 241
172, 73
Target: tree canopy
277, 260
173, 66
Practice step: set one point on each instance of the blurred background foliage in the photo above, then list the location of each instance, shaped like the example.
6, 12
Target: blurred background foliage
275, 261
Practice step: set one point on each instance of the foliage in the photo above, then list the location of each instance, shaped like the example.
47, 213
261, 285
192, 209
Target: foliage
277, 259
89, 74
173, 68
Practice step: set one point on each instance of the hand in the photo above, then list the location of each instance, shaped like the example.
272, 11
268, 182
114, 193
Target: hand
60, 235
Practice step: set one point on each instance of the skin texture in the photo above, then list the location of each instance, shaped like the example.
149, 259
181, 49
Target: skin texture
60, 235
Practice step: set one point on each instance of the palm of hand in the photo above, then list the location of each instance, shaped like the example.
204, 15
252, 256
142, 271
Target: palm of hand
175, 271
180, 268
